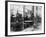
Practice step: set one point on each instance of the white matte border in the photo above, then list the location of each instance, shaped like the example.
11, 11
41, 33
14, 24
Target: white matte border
31, 32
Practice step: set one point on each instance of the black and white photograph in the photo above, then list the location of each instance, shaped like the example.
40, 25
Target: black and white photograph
25, 18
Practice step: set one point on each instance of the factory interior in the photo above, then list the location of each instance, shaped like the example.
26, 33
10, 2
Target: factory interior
25, 17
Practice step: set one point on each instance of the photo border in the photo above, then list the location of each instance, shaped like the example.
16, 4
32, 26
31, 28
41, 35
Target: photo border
6, 18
